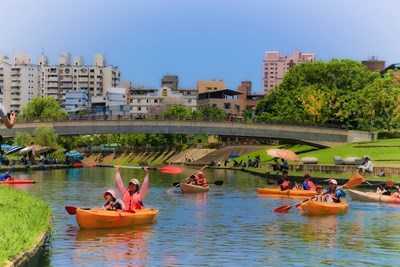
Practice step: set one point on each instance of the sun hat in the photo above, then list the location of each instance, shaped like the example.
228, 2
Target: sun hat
333, 181
134, 181
111, 192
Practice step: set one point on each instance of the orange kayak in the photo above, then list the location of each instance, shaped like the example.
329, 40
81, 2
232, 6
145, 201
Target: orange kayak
322, 208
289, 192
190, 188
100, 218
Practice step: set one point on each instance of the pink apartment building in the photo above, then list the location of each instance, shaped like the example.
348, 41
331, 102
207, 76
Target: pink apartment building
276, 65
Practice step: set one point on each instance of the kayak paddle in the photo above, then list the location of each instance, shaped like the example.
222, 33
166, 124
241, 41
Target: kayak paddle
72, 210
286, 208
218, 182
354, 181
166, 169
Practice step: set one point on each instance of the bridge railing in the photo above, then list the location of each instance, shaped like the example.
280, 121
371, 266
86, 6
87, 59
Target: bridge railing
174, 118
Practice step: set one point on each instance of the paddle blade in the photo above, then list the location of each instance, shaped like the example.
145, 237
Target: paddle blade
219, 182
71, 210
282, 209
170, 169
354, 181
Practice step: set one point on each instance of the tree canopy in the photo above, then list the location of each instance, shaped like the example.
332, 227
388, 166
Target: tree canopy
318, 92
46, 108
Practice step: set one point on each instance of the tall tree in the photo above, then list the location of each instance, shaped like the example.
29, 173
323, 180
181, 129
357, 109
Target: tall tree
332, 87
380, 102
22, 139
178, 112
45, 108
45, 136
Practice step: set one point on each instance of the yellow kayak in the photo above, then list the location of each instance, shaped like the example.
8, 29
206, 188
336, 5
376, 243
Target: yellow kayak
100, 218
322, 208
289, 192
190, 188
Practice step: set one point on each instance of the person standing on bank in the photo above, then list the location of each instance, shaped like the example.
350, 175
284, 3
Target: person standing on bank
132, 196
7, 119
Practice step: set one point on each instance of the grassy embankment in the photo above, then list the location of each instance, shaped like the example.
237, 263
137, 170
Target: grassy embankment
384, 153
23, 220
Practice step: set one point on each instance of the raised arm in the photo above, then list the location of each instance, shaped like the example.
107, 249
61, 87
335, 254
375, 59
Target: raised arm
119, 182
145, 185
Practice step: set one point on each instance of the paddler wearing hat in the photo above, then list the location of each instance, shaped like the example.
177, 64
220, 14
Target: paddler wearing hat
133, 195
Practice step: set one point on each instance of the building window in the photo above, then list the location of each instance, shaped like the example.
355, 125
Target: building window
155, 101
227, 105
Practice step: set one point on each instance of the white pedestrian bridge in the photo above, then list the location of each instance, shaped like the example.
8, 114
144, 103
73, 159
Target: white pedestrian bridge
318, 136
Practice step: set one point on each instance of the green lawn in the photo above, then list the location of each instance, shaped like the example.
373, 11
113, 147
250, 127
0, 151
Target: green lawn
382, 153
23, 218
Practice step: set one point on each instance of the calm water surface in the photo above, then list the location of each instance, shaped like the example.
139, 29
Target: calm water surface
229, 226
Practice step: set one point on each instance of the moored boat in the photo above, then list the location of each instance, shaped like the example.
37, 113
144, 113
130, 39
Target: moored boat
15, 181
373, 197
190, 188
100, 218
322, 208
289, 192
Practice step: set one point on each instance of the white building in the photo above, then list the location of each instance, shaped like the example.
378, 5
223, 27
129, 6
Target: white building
76, 76
19, 81
152, 102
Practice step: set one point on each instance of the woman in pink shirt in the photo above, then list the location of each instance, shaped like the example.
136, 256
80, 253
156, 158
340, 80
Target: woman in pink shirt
133, 195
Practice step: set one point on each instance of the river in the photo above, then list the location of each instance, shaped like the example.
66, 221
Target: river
231, 225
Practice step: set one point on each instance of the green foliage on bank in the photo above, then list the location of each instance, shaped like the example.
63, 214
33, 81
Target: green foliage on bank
22, 221
339, 91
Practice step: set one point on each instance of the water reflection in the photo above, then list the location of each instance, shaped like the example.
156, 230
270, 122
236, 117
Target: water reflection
231, 225
124, 246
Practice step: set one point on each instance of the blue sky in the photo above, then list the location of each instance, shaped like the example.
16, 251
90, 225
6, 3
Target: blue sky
199, 39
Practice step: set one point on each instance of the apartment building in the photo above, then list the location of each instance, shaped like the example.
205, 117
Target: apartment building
74, 75
19, 81
276, 65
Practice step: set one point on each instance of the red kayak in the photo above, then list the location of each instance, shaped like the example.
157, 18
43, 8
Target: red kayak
18, 182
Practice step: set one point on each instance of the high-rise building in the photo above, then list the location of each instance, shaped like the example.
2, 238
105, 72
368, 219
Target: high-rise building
76, 76
276, 65
20, 80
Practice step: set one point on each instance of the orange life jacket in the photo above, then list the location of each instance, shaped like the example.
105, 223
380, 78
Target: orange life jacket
285, 185
133, 202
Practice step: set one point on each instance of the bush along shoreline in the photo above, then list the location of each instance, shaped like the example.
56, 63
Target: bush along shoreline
24, 222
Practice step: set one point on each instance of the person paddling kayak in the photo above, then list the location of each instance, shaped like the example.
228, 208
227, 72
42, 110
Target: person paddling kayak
6, 176
307, 183
334, 192
133, 196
